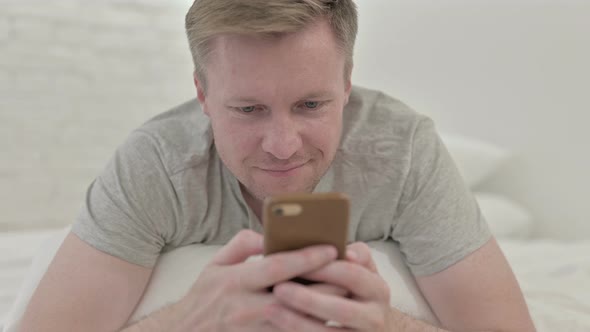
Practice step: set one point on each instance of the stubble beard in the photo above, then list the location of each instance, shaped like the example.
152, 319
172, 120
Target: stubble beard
261, 194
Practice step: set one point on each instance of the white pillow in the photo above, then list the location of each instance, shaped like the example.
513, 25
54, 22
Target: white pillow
176, 271
506, 218
475, 159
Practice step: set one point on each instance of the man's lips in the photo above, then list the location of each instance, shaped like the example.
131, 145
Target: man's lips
281, 169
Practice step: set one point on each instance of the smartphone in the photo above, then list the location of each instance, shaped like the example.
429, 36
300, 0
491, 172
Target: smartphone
295, 221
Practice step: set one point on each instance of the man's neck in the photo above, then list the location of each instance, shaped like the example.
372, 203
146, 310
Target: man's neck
254, 203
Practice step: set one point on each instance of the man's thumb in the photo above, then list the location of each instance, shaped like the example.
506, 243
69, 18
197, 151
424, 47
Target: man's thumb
243, 245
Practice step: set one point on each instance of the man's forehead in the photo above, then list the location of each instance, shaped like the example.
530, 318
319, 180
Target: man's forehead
305, 65
316, 36
300, 94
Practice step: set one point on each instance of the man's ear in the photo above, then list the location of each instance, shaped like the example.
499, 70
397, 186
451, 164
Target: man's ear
201, 96
348, 88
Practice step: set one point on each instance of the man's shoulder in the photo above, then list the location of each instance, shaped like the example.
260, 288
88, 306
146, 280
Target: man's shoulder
181, 136
374, 119
377, 105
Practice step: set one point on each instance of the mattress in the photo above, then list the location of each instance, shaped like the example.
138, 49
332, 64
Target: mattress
554, 276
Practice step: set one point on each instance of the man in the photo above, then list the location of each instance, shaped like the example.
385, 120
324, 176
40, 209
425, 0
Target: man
275, 113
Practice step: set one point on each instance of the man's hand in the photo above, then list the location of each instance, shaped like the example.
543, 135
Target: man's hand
231, 294
367, 309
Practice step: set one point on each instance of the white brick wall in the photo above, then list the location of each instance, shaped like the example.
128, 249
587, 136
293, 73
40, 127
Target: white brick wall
75, 78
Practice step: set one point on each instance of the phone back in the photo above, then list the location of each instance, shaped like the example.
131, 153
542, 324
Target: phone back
294, 221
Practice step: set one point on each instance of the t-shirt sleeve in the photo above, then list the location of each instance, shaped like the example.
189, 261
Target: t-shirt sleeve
130, 208
438, 219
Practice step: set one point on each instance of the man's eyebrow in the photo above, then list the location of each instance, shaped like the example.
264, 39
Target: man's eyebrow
245, 100
254, 101
317, 94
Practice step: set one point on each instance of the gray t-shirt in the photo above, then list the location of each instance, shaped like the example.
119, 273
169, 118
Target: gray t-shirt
166, 187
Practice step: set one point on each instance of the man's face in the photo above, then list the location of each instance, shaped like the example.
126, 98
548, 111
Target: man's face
276, 106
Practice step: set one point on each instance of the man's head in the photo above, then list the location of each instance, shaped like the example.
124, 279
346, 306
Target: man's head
207, 19
274, 77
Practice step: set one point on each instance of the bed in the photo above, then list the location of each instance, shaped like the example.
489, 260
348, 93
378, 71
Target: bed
554, 276
17, 250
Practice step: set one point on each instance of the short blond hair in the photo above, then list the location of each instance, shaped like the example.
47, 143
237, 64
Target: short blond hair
209, 18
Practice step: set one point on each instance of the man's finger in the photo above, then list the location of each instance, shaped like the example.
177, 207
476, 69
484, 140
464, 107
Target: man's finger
360, 253
353, 277
287, 265
350, 313
243, 245
329, 289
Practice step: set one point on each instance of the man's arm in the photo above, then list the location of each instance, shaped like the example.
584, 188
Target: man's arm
479, 293
85, 289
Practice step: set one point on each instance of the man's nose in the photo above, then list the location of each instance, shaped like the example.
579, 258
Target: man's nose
281, 137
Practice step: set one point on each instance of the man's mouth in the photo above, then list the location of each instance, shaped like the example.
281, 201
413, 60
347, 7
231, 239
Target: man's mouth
282, 170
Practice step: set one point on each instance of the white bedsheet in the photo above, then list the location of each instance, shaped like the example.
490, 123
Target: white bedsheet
554, 276
555, 280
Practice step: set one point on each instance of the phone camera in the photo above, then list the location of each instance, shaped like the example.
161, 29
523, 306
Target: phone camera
279, 211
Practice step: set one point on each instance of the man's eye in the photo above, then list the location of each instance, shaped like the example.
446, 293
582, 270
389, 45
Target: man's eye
311, 104
247, 109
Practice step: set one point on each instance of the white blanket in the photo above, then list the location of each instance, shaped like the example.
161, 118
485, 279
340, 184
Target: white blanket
555, 278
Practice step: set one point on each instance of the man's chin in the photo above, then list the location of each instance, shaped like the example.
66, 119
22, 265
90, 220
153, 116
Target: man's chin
263, 193
262, 185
